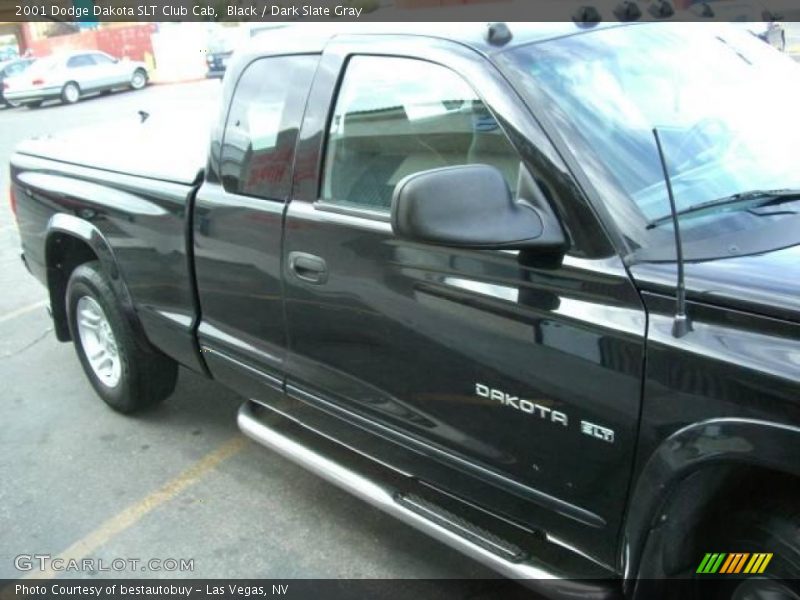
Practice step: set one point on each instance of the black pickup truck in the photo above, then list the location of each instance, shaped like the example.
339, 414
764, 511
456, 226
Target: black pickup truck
440, 265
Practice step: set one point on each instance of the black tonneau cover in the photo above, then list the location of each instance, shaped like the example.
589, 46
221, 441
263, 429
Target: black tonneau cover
172, 148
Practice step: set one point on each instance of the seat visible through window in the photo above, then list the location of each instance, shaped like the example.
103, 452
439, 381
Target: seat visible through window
395, 117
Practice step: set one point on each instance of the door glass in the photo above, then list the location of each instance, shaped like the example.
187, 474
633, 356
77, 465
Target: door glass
102, 59
82, 60
398, 116
261, 129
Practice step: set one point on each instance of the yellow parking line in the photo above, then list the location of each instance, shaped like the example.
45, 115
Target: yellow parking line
123, 520
22, 311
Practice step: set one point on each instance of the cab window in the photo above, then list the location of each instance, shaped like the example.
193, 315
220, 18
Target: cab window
398, 116
102, 59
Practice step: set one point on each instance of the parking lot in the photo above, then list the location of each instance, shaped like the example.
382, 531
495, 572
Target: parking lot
178, 482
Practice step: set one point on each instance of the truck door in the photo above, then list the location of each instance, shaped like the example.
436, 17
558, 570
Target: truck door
522, 371
237, 224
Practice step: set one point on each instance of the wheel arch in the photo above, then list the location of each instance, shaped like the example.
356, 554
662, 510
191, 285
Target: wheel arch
69, 243
690, 472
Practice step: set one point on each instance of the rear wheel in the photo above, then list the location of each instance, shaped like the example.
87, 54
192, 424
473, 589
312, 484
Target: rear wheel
138, 79
126, 371
70, 93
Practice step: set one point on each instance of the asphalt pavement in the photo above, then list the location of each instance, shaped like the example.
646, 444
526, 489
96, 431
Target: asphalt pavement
179, 482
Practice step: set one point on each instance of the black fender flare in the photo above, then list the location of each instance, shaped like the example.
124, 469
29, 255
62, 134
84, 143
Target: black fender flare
716, 442
62, 224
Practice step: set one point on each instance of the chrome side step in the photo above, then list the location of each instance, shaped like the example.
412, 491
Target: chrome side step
508, 562
469, 531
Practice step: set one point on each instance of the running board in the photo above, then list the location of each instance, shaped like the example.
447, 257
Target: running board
296, 443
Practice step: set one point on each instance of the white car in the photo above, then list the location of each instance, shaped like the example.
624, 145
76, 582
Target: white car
70, 76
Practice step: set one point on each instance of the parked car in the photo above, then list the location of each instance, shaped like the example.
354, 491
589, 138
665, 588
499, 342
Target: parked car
221, 43
217, 61
9, 69
225, 40
8, 52
69, 77
439, 264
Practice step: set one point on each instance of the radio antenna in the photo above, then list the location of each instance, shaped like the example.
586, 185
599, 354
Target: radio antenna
681, 325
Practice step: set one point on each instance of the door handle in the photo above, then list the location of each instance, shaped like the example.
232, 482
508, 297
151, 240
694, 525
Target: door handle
308, 267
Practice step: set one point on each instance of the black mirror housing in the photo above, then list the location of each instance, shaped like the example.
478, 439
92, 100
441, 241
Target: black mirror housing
469, 206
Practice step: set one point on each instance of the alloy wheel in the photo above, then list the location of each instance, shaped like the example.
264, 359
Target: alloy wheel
98, 342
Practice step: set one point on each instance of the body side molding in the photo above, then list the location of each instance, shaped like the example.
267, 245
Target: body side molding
535, 574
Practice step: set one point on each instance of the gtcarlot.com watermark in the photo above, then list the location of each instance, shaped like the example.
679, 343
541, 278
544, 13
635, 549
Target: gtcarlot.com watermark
46, 562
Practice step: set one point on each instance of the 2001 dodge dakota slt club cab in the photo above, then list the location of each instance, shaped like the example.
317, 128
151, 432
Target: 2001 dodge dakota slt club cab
441, 265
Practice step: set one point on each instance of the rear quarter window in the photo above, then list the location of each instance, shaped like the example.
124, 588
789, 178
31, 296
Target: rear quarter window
262, 125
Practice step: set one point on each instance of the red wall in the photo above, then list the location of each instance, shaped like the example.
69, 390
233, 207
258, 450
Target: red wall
122, 42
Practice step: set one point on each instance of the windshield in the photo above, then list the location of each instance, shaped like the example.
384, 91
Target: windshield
724, 103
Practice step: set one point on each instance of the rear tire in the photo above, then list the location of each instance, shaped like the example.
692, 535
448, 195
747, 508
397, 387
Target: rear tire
70, 93
138, 79
125, 370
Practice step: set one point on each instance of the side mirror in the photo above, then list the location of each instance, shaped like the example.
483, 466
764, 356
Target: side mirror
470, 206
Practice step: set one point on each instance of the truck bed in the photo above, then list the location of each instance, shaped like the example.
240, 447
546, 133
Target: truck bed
124, 190
170, 147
